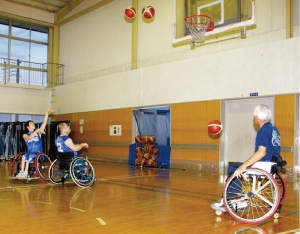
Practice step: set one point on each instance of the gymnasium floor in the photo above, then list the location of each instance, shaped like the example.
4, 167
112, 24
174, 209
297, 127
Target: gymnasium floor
125, 199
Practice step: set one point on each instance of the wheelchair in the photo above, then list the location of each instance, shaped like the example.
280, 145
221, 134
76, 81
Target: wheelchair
257, 195
37, 169
66, 166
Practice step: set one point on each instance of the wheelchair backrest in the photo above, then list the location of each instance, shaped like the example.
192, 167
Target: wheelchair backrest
67, 156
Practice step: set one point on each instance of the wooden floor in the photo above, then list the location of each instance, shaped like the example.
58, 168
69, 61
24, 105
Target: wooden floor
125, 199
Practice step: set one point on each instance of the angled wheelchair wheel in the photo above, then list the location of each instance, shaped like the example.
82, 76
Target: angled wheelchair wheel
82, 172
56, 174
253, 198
42, 166
282, 186
16, 164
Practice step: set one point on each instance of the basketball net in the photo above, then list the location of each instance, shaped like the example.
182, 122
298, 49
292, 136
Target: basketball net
197, 25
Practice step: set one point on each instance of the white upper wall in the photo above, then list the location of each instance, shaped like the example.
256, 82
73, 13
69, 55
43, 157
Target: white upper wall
267, 69
24, 99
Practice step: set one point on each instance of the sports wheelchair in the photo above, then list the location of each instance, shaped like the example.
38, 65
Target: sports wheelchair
37, 169
66, 167
257, 195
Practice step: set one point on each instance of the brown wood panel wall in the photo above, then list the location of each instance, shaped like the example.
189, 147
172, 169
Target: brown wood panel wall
284, 121
96, 129
189, 126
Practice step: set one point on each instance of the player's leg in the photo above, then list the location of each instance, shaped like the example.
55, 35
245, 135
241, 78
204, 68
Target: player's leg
219, 205
21, 173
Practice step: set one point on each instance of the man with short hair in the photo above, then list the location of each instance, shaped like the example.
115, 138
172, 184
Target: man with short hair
64, 143
267, 145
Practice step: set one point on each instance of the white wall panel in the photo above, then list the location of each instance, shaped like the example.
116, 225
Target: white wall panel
268, 69
24, 101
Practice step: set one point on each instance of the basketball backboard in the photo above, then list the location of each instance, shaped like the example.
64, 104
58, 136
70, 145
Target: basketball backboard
227, 15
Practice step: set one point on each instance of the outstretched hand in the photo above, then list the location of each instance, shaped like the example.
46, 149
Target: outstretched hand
50, 110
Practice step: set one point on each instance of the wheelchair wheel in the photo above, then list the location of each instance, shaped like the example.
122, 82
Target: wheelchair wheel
42, 166
55, 174
253, 198
16, 164
82, 172
282, 186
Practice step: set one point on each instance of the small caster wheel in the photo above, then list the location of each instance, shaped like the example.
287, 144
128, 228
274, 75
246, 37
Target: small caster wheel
27, 181
218, 212
276, 215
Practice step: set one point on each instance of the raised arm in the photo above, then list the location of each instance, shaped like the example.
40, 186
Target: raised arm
46, 118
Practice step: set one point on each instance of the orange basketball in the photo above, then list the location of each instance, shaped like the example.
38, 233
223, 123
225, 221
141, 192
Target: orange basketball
146, 139
148, 12
151, 139
154, 150
215, 127
137, 161
138, 149
147, 155
140, 154
139, 139
130, 12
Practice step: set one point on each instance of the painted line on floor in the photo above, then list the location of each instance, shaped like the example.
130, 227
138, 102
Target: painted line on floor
101, 221
48, 203
77, 209
290, 231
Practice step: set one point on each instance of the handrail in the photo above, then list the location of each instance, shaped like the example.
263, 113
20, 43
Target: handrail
24, 72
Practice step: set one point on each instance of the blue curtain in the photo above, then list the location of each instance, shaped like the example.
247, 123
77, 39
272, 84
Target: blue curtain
154, 122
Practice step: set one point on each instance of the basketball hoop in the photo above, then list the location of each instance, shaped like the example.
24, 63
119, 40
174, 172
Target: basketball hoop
198, 25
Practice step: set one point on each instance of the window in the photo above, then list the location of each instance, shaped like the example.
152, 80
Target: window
23, 52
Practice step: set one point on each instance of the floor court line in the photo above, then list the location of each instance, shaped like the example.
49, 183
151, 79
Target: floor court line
101, 221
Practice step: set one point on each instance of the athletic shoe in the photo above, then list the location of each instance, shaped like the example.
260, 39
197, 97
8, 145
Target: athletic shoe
218, 206
20, 174
25, 174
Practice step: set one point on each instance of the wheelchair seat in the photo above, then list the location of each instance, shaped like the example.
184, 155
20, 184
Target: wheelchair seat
65, 159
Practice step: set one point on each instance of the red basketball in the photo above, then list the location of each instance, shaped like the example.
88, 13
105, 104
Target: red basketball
146, 139
154, 163
153, 156
130, 12
142, 161
148, 12
137, 161
215, 127
154, 150
149, 162
147, 149
139, 139
147, 155
140, 154
138, 149
151, 139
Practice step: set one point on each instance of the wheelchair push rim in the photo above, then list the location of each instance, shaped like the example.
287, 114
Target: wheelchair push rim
42, 166
82, 172
55, 173
256, 200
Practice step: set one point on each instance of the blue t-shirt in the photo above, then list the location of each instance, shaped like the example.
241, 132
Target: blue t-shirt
268, 136
35, 144
61, 145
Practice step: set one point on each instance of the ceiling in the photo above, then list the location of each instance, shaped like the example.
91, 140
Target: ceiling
51, 6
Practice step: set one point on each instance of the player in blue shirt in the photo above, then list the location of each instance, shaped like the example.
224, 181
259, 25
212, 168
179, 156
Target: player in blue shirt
33, 142
267, 145
64, 143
